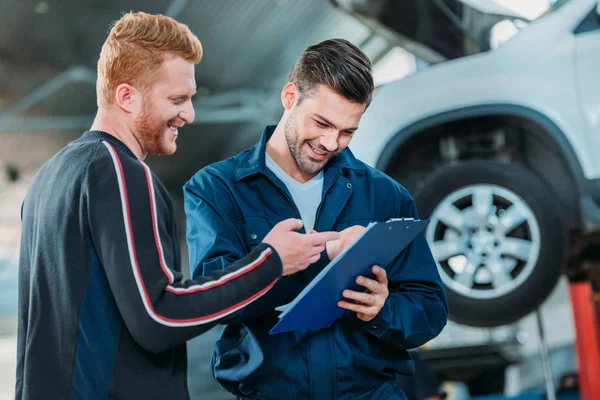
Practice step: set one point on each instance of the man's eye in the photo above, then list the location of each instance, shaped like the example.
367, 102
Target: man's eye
321, 125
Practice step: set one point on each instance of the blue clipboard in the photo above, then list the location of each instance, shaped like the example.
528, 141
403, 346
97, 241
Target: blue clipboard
316, 306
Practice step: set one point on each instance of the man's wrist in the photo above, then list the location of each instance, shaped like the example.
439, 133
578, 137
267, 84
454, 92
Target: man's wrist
379, 325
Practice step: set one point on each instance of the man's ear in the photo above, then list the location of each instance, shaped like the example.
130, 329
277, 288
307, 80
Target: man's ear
126, 97
289, 95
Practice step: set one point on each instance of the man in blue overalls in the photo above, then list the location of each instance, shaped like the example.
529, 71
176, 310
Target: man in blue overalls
302, 168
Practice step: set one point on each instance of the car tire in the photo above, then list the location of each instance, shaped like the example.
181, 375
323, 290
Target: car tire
498, 237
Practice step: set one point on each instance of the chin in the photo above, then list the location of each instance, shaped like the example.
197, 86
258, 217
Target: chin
168, 146
313, 167
163, 149
317, 165
170, 149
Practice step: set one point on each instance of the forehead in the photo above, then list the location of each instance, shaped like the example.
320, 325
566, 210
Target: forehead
328, 103
175, 74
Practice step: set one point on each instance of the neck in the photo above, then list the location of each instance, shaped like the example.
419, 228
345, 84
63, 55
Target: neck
107, 121
278, 149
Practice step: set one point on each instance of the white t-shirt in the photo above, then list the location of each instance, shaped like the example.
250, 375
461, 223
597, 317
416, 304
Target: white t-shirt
307, 196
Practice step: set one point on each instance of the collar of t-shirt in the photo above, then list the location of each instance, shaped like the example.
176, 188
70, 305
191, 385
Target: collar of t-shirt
306, 196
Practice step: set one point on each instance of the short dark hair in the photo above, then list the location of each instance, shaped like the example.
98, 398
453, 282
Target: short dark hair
338, 64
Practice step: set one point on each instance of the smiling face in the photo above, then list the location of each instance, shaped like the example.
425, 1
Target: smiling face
166, 107
319, 126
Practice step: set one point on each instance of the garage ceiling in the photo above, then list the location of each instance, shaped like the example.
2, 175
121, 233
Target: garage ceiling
48, 52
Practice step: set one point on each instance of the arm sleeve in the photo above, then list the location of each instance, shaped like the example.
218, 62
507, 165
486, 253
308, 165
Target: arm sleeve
132, 233
214, 243
416, 309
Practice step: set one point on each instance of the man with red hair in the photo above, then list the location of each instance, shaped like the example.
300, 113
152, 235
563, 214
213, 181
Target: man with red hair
104, 311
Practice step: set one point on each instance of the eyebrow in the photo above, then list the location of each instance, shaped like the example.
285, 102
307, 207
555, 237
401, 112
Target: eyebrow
332, 124
177, 96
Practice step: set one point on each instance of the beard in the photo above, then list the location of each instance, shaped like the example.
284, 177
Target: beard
296, 146
151, 133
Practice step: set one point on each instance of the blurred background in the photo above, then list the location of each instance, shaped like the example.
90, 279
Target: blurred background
486, 110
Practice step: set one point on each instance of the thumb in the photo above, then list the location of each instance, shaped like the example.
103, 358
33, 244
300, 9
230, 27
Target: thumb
291, 224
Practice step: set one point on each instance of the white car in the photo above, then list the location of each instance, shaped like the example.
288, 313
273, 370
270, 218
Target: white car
500, 151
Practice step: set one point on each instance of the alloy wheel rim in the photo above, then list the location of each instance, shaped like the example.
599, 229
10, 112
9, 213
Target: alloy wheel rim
485, 240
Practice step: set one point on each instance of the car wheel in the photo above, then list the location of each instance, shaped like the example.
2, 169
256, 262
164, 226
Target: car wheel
497, 236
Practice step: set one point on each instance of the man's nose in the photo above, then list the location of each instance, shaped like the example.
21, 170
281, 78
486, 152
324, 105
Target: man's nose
330, 141
188, 113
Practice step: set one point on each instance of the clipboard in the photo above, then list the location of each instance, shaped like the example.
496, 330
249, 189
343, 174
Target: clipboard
316, 306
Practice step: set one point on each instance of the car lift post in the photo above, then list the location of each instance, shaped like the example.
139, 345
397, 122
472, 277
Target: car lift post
585, 303
545, 355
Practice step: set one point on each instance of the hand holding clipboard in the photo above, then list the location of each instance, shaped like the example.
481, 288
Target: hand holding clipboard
317, 305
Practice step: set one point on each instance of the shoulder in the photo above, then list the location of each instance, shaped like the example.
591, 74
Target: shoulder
111, 155
214, 184
217, 175
112, 164
385, 184
393, 196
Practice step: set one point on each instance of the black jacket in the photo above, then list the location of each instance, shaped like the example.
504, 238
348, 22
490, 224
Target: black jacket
104, 311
